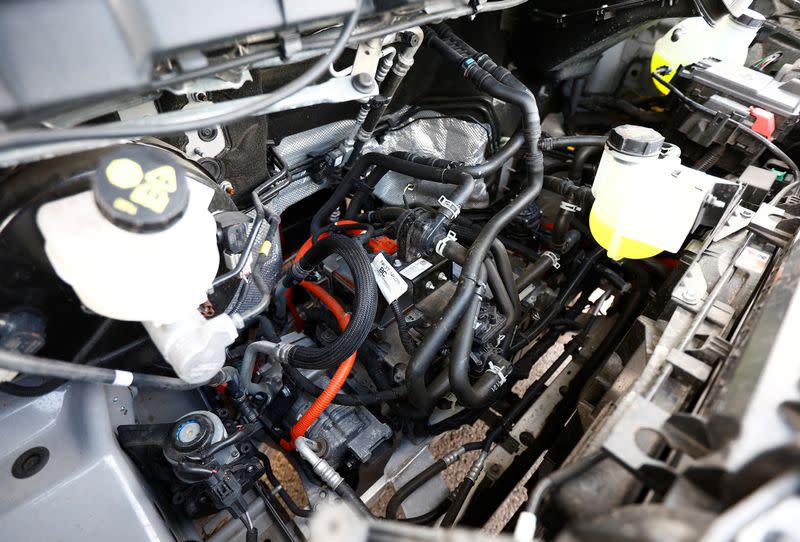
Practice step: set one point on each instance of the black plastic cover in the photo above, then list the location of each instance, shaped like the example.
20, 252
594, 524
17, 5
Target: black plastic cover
63, 51
140, 189
635, 140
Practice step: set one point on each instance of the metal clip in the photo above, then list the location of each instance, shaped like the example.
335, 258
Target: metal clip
451, 236
291, 43
571, 207
452, 209
553, 258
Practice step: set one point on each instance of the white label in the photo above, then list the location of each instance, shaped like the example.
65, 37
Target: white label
390, 283
752, 260
416, 269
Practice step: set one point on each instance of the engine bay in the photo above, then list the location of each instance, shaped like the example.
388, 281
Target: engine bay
373, 270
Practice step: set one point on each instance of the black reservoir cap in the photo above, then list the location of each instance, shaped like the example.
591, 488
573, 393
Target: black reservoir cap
635, 140
141, 189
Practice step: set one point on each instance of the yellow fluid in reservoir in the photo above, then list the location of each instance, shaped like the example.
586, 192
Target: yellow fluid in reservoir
656, 62
624, 247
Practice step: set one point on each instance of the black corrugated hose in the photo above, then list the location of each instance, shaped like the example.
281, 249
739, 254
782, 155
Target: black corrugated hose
365, 301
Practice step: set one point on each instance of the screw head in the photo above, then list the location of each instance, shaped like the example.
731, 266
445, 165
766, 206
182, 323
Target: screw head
689, 295
429, 286
363, 83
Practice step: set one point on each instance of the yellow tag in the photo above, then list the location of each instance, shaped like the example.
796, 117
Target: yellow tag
124, 173
154, 192
121, 204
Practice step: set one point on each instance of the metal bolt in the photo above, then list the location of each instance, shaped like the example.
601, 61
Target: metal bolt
234, 453
429, 286
363, 83
689, 294
207, 134
441, 276
115, 399
746, 213
323, 494
123, 410
251, 468
398, 263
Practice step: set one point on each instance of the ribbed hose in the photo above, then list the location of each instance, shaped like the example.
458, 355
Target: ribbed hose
365, 301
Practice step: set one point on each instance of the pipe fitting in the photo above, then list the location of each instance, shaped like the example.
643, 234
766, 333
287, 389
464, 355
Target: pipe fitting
321, 468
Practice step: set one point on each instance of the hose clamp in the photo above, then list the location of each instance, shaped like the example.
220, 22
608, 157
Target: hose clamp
570, 207
449, 209
499, 370
553, 258
440, 244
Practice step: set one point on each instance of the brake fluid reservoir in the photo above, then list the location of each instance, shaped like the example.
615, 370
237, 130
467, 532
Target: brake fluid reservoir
693, 39
645, 200
141, 246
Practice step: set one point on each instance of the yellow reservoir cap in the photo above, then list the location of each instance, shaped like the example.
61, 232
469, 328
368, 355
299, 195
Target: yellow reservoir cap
618, 246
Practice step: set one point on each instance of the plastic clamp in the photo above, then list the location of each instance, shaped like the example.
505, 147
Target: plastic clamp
553, 257
449, 209
440, 244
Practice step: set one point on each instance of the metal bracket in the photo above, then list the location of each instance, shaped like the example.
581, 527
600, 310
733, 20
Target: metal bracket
765, 223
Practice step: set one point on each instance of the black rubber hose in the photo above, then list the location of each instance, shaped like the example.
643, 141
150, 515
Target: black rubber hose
419, 480
278, 486
564, 295
552, 143
348, 494
418, 366
19, 390
561, 226
312, 389
402, 327
503, 262
534, 272
497, 285
561, 476
485, 390
430, 516
49, 385
405, 491
460, 498
495, 162
14, 361
579, 160
582, 194
390, 163
365, 301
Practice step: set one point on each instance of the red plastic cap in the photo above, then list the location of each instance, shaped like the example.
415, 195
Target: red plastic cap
764, 123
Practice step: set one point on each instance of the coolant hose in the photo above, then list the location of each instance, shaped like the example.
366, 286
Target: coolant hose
384, 163
418, 366
365, 301
339, 377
